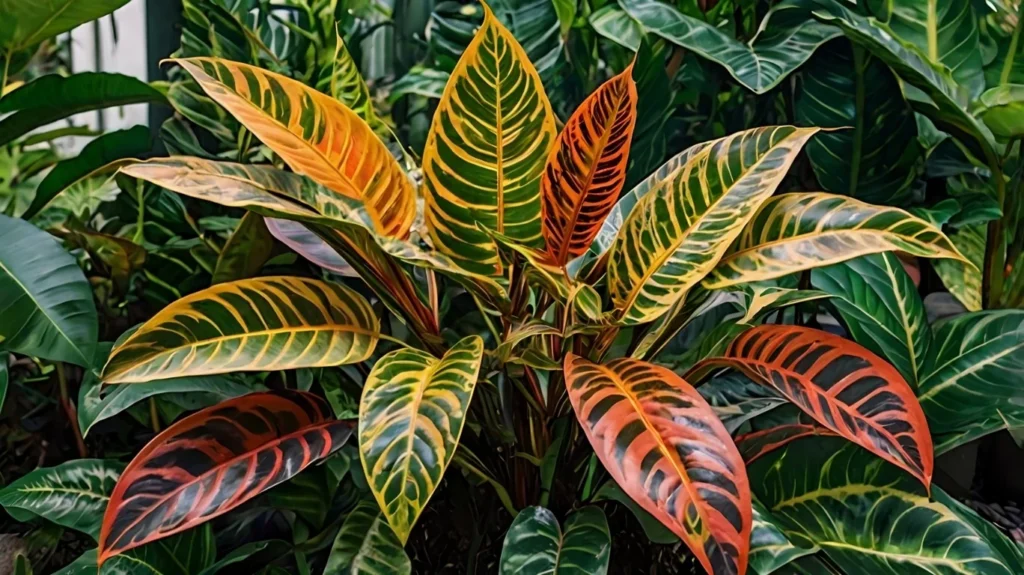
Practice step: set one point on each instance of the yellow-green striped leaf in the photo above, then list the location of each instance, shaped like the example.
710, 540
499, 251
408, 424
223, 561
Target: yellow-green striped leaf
963, 278
249, 325
346, 84
410, 419
796, 232
315, 134
486, 150
366, 545
678, 232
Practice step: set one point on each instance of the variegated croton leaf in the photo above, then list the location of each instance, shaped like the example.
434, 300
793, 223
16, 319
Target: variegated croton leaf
664, 446
844, 387
213, 461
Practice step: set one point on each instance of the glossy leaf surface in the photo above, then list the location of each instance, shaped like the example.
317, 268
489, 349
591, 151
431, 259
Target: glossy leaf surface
486, 149
587, 168
681, 228
28, 23
875, 161
786, 39
881, 308
975, 370
868, 517
246, 250
411, 416
796, 232
249, 325
308, 245
52, 97
315, 134
45, 301
72, 494
844, 387
214, 460
770, 549
663, 445
367, 546
536, 545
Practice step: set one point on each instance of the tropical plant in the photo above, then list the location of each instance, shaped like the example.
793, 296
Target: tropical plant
536, 325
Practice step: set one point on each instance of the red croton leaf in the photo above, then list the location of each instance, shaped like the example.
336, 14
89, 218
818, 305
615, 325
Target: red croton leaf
661, 442
214, 460
844, 387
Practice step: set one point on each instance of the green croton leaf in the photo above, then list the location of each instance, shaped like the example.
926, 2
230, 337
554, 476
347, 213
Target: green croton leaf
411, 415
970, 377
615, 24
72, 494
187, 553
1002, 110
947, 107
367, 545
770, 548
881, 308
680, 230
963, 279
869, 517
103, 155
249, 325
45, 301
876, 161
27, 23
51, 98
245, 251
947, 32
536, 545
786, 39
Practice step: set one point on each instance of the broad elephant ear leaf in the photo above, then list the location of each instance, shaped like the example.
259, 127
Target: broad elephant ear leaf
796, 232
28, 23
213, 461
249, 325
536, 545
45, 300
663, 445
411, 415
486, 149
844, 387
587, 168
680, 230
315, 134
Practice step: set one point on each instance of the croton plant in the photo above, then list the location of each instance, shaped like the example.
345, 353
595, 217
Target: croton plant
504, 303
577, 287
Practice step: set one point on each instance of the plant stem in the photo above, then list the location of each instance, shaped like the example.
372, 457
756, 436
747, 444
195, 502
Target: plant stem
995, 247
69, 410
140, 220
4, 73
487, 320
154, 418
1011, 53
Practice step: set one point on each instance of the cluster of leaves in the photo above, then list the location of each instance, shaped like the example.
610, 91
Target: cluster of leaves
527, 313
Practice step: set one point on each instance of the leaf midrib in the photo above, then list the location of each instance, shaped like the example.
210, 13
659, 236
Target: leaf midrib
42, 310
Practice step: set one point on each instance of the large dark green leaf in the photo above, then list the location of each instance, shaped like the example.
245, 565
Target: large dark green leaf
187, 553
103, 155
975, 370
1002, 110
25, 24
869, 517
948, 105
848, 88
536, 545
947, 33
737, 399
45, 301
615, 24
97, 403
770, 548
366, 545
50, 98
73, 494
787, 38
881, 308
